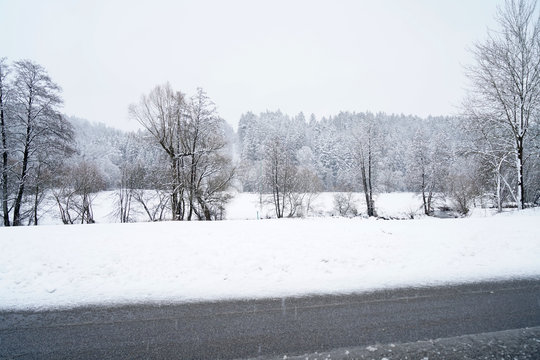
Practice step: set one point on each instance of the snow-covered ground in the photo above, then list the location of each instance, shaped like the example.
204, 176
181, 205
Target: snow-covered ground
64, 266
401, 205
244, 206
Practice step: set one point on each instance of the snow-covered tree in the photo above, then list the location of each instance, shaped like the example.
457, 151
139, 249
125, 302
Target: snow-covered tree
75, 189
504, 100
429, 163
193, 137
35, 137
162, 112
280, 171
367, 145
207, 170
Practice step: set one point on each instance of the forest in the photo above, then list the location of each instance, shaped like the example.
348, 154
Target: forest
187, 161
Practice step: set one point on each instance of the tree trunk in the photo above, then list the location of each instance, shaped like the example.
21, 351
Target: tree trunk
37, 194
424, 200
498, 195
368, 193
20, 191
371, 204
365, 185
174, 195
5, 209
192, 176
519, 165
277, 203
190, 212
36, 202
181, 209
206, 211
499, 189
430, 201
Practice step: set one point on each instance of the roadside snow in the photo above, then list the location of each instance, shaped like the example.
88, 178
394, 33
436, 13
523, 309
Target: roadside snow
65, 266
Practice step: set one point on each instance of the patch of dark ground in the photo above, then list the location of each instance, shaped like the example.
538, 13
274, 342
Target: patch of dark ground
519, 344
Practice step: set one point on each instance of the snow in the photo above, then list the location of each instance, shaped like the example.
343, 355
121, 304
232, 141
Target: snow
245, 206
60, 266
401, 205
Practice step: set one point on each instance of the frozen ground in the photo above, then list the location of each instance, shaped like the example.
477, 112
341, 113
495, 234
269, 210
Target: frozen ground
64, 266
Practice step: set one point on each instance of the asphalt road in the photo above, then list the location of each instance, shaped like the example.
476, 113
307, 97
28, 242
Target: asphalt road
522, 344
243, 329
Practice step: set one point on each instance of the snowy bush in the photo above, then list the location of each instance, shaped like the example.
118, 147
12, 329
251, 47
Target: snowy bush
344, 204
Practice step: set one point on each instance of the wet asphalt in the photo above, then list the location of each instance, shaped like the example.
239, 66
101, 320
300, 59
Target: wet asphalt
271, 327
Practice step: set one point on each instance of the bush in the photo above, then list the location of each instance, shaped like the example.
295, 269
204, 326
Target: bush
344, 204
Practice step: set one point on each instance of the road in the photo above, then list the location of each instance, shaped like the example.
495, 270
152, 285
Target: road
242, 329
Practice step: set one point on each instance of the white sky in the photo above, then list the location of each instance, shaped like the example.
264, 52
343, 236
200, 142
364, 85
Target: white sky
317, 57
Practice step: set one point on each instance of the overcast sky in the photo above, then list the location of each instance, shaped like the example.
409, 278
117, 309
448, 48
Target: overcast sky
402, 56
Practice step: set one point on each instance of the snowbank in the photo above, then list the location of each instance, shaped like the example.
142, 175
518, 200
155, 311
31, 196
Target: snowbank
64, 266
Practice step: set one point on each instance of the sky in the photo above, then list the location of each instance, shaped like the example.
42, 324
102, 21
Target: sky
320, 57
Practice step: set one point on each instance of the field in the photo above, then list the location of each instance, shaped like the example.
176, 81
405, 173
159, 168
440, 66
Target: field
248, 206
66, 266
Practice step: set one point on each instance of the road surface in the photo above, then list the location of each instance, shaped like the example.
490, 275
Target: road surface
247, 329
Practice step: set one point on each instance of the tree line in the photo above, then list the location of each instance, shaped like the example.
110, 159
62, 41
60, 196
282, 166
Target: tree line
359, 152
181, 166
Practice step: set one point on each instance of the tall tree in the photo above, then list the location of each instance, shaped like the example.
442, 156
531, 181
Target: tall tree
36, 102
192, 135
162, 112
203, 139
428, 164
505, 93
367, 142
280, 171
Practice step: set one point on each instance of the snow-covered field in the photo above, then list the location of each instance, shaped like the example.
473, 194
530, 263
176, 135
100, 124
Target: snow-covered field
244, 206
64, 266
401, 205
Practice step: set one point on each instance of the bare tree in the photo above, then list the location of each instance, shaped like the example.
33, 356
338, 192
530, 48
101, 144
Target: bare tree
305, 187
207, 168
51, 152
280, 171
428, 165
162, 112
75, 189
150, 190
213, 178
312, 188
132, 174
463, 184
36, 128
191, 134
366, 138
128, 186
505, 94
486, 145
88, 181
154, 202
